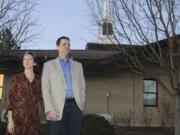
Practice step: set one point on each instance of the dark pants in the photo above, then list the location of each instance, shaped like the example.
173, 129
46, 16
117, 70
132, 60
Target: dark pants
70, 122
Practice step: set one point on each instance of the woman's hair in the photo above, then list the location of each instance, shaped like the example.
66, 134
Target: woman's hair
29, 53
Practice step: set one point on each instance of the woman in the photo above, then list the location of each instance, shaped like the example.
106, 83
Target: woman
23, 99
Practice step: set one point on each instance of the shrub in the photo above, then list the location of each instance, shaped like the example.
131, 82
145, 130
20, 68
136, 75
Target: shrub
96, 125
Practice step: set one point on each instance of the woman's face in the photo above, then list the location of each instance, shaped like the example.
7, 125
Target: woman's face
28, 61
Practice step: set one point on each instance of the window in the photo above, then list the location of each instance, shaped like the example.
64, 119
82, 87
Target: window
150, 92
107, 28
1, 85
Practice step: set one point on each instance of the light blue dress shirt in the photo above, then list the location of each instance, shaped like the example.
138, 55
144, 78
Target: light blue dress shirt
66, 67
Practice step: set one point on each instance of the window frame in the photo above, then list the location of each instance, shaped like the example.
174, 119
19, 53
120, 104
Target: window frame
107, 29
155, 93
2, 87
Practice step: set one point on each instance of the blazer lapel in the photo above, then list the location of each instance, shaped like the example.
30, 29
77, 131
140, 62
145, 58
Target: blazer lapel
59, 71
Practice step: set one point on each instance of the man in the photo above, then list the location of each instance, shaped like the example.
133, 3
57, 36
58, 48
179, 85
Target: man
63, 89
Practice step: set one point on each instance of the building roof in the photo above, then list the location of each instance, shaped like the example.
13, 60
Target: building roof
96, 58
92, 60
48, 54
118, 47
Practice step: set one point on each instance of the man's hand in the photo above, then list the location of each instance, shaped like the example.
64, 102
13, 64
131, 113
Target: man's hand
53, 115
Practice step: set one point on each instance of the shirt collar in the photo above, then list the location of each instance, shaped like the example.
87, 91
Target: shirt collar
63, 59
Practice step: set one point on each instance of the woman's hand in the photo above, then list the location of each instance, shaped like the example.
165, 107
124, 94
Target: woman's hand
10, 126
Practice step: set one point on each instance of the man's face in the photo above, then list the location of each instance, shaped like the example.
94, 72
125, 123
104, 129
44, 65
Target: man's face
64, 47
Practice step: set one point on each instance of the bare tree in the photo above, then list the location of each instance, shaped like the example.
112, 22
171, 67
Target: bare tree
145, 23
16, 15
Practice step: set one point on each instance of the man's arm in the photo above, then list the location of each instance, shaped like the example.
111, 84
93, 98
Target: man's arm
46, 90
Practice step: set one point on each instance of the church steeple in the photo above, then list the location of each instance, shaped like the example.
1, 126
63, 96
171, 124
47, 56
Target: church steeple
106, 34
106, 10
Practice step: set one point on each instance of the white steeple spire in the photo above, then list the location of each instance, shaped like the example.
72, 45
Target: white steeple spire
106, 9
106, 34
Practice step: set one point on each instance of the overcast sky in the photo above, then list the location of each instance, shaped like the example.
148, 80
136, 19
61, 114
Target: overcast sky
62, 17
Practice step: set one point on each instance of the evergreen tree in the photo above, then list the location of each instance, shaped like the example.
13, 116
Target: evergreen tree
7, 41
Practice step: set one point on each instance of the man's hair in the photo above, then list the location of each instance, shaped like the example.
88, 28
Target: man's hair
59, 39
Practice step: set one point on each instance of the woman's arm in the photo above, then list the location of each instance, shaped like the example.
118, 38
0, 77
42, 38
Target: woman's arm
10, 126
11, 104
10, 116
